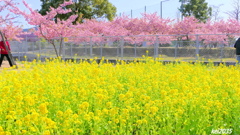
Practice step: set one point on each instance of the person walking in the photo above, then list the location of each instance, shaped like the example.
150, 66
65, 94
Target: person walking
4, 52
237, 46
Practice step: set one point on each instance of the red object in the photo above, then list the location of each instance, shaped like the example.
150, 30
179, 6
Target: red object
3, 49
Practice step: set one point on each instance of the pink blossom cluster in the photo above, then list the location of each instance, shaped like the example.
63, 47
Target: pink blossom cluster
6, 22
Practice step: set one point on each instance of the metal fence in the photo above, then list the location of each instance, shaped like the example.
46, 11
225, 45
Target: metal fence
165, 47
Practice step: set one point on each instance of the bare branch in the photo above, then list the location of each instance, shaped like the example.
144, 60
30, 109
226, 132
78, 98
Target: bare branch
215, 12
235, 13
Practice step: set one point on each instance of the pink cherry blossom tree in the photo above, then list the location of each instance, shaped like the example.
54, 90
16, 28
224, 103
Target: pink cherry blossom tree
7, 26
186, 28
12, 32
211, 34
148, 24
47, 27
133, 29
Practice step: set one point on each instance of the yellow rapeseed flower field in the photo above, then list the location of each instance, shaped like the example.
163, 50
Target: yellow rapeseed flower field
56, 97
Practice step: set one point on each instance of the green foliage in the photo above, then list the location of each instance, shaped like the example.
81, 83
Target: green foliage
197, 8
85, 9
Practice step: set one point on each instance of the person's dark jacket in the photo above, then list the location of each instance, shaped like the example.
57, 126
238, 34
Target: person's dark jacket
237, 46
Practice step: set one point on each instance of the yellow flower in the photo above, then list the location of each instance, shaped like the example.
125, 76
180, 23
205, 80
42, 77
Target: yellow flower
84, 105
116, 120
190, 95
1, 129
9, 117
30, 100
24, 131
67, 102
129, 94
75, 116
78, 122
105, 111
43, 108
139, 122
34, 117
19, 123
47, 132
33, 129
63, 97
19, 98
87, 117
154, 109
123, 121
96, 118
68, 112
109, 104
50, 123
121, 97
70, 131
59, 114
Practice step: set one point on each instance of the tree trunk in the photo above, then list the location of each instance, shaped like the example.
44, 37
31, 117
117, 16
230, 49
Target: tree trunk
61, 47
54, 46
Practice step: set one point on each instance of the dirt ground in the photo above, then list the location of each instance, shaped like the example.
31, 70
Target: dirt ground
5, 64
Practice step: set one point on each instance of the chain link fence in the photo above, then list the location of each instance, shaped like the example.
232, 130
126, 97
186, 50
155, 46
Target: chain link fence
165, 47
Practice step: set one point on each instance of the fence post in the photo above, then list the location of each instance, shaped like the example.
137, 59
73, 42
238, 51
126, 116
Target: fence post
63, 50
156, 47
22, 48
40, 51
222, 48
135, 49
176, 49
122, 45
117, 48
25, 52
101, 45
18, 45
91, 47
71, 50
197, 47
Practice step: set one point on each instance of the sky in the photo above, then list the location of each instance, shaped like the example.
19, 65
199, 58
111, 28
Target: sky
134, 8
